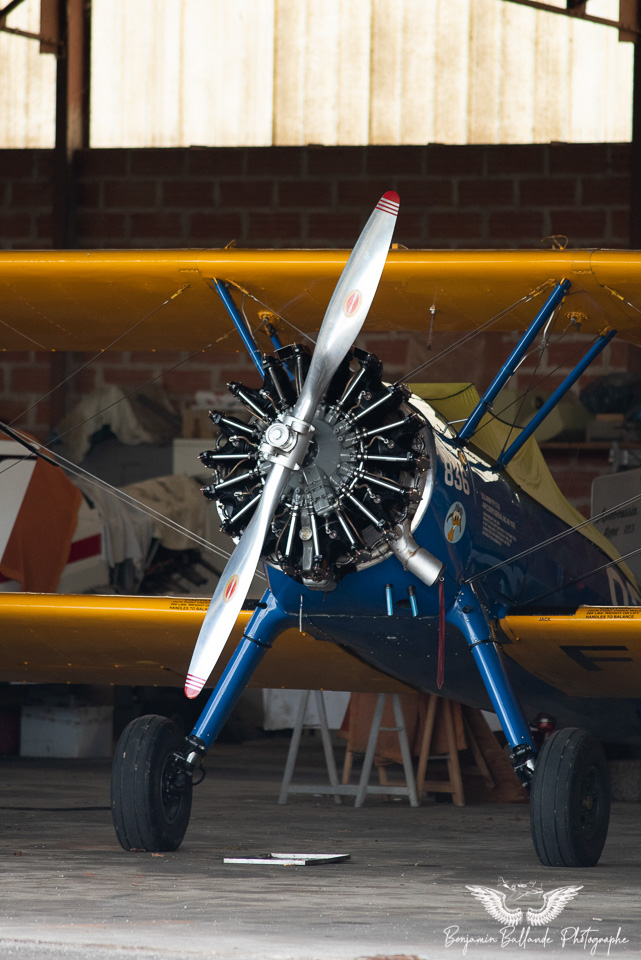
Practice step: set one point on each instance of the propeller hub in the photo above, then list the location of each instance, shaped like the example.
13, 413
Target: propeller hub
279, 436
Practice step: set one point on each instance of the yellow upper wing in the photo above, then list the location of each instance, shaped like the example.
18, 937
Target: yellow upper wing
91, 300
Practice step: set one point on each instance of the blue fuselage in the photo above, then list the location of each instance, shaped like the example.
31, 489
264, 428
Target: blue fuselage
476, 518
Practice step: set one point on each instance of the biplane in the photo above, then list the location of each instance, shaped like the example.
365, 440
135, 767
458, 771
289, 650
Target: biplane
410, 527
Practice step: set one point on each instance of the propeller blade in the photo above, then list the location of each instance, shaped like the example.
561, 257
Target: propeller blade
342, 323
350, 303
233, 585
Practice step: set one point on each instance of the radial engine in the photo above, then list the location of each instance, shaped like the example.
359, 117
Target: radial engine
367, 472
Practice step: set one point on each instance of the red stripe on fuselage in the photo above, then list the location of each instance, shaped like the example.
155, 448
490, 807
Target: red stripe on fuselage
81, 549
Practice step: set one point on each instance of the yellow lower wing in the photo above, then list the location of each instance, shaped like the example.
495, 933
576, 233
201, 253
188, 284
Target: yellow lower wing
54, 638
595, 652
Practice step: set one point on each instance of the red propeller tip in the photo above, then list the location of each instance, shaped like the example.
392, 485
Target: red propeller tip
389, 202
193, 686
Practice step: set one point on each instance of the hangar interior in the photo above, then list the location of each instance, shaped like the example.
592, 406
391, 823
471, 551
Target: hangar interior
502, 125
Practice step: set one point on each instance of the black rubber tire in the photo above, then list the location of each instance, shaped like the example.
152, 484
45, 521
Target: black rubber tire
150, 794
570, 800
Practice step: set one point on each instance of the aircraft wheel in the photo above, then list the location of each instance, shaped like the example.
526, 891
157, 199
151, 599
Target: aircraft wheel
570, 800
150, 792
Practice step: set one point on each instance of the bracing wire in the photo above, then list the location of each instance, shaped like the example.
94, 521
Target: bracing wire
584, 576
125, 396
132, 393
521, 401
99, 353
289, 323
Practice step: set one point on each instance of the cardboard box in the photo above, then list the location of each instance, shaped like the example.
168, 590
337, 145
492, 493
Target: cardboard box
51, 731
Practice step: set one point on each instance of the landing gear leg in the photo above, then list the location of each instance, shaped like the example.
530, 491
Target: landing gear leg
570, 800
151, 783
467, 614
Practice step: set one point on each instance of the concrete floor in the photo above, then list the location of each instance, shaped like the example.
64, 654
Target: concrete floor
68, 890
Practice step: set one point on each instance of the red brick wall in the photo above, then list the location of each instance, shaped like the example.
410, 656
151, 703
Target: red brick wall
467, 196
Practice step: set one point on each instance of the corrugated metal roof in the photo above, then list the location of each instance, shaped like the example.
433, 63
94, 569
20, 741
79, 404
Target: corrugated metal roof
260, 72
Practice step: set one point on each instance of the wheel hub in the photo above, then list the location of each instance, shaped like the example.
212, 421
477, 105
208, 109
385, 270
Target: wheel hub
590, 801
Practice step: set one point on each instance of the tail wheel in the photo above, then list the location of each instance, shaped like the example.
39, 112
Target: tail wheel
150, 788
570, 800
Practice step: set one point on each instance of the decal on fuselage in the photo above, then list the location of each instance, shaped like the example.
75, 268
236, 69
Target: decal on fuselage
497, 527
454, 526
456, 473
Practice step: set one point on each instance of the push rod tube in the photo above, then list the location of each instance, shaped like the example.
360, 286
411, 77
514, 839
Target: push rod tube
509, 367
221, 289
596, 348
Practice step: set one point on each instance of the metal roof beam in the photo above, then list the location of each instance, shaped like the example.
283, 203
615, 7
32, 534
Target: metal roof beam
9, 7
578, 12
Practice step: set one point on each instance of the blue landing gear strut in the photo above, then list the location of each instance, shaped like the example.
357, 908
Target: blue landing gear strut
264, 626
467, 614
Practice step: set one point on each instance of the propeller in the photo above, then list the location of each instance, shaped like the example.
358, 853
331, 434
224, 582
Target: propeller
285, 441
